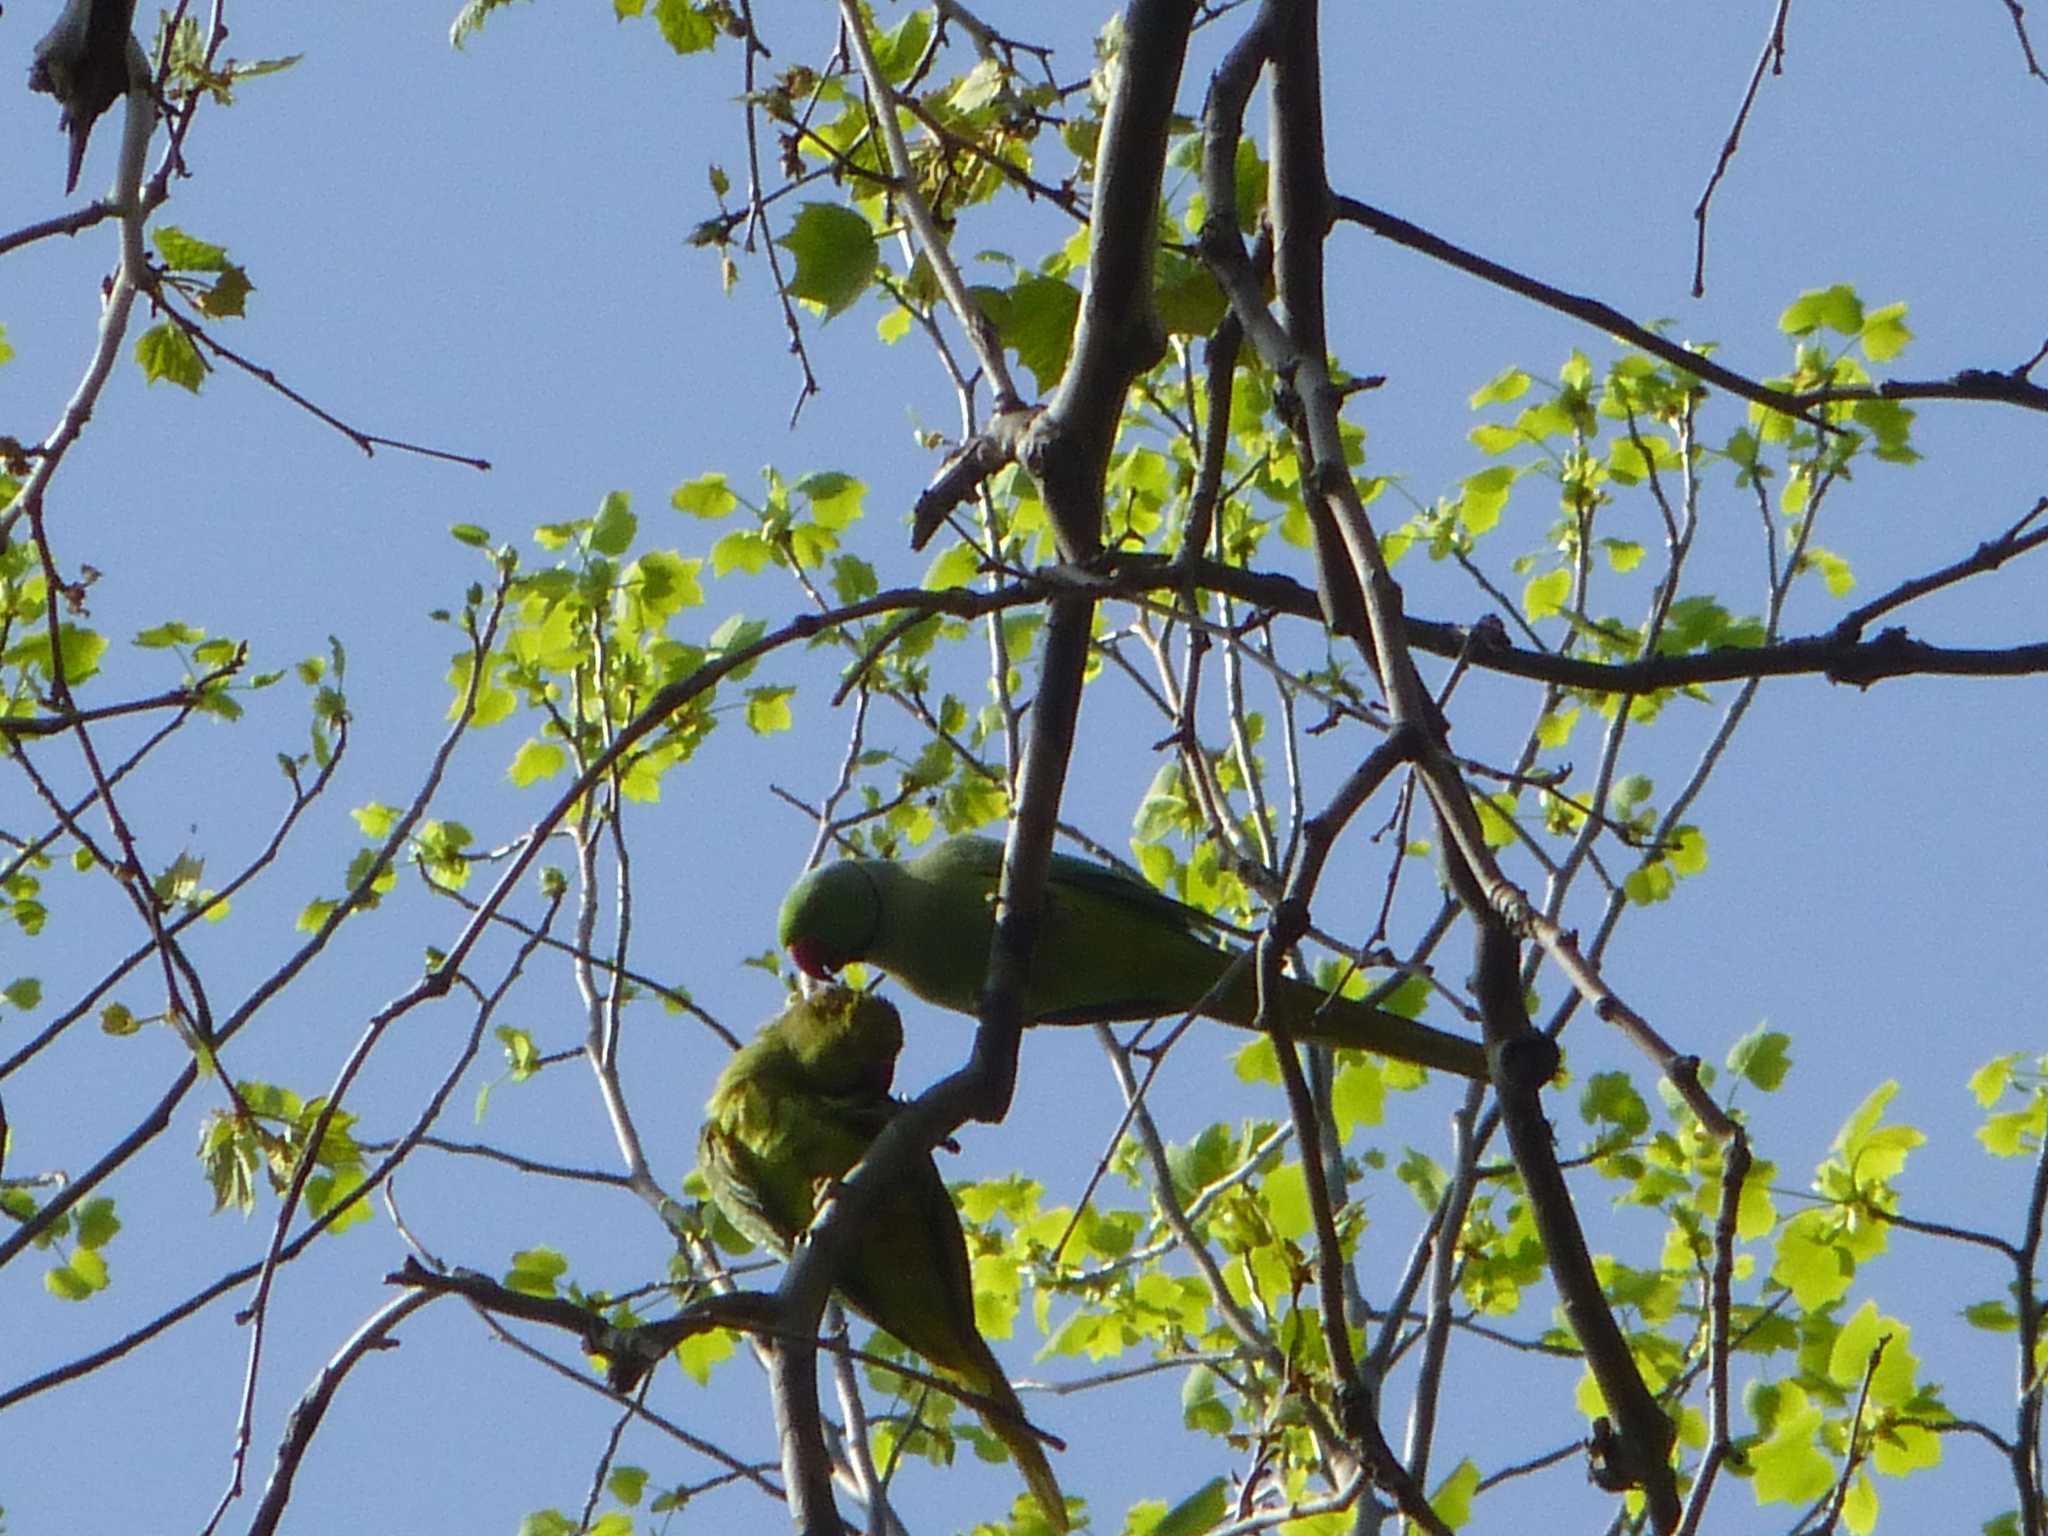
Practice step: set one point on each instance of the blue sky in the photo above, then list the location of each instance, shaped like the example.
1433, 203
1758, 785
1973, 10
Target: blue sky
485, 251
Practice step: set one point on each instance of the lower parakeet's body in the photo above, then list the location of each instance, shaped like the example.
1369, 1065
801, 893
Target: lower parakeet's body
794, 1111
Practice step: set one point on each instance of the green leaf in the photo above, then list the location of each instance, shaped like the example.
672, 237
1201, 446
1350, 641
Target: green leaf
835, 256
979, 86
1874, 1151
79, 650
1993, 1078
1200, 1510
1884, 334
1358, 1095
24, 992
97, 1222
853, 579
705, 496
179, 881
325, 1191
1623, 555
536, 760
898, 50
522, 1056
182, 253
1554, 730
1762, 1057
1632, 460
955, 567
700, 1352
612, 533
1787, 1466
1453, 1497
1201, 1406
67, 1283
2009, 1135
1496, 819
1813, 1266
166, 353
627, 1484
1490, 437
1892, 425
227, 296
1834, 570
375, 820
768, 710
1285, 1196
743, 549
535, 1270
1991, 1316
162, 636
835, 497
664, 583
1508, 384
1855, 1345
1837, 308
1038, 323
1483, 495
1649, 883
1189, 300
1544, 596
685, 28
1611, 1098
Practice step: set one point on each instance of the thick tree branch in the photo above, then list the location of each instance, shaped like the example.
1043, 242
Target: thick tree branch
1634, 1450
1118, 335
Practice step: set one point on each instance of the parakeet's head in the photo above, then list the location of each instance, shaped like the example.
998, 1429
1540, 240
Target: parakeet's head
829, 918
847, 1041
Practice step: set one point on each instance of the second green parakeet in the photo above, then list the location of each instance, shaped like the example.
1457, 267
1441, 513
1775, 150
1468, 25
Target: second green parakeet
794, 1111
1108, 948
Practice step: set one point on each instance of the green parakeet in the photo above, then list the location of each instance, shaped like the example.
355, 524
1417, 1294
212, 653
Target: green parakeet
1108, 948
796, 1109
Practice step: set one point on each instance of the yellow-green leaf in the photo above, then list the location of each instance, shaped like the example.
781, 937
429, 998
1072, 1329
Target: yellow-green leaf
536, 760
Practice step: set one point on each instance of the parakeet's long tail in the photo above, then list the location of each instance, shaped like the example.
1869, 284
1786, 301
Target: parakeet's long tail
1342, 1021
1025, 1451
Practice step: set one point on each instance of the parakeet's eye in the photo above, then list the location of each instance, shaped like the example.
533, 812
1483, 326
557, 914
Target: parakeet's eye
813, 959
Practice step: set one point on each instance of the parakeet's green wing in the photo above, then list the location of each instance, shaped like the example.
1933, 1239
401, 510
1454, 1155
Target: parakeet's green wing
1086, 876
1110, 948
737, 1181
981, 859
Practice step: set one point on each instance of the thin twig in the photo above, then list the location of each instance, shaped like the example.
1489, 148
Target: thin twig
1772, 58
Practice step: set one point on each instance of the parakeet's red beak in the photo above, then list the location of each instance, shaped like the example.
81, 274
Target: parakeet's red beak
812, 959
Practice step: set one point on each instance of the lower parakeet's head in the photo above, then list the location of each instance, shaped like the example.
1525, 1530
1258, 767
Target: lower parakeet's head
846, 1041
830, 917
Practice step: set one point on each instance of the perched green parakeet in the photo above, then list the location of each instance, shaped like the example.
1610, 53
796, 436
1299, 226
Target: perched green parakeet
796, 1109
1108, 948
